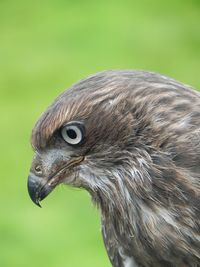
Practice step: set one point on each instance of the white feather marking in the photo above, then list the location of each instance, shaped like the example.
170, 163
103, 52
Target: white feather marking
127, 261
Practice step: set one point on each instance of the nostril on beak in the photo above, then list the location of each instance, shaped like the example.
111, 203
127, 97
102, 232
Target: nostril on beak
38, 169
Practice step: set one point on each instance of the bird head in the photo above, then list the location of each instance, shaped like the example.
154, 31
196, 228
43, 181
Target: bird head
85, 138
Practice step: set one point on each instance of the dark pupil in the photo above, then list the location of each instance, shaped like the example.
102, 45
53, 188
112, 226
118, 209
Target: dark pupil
72, 134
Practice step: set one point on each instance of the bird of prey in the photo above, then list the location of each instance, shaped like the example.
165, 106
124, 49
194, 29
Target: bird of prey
132, 140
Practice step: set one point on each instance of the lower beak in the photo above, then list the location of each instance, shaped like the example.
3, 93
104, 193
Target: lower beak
37, 189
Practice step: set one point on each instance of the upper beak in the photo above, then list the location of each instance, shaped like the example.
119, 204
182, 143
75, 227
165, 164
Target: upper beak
40, 187
37, 189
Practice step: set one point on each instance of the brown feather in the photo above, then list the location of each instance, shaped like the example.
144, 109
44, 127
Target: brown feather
142, 162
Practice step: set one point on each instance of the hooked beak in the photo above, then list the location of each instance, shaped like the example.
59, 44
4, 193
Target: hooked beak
39, 187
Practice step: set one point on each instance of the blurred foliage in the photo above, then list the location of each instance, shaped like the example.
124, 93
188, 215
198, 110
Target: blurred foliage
45, 46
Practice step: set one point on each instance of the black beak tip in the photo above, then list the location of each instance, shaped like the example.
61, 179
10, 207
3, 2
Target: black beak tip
37, 189
33, 191
37, 203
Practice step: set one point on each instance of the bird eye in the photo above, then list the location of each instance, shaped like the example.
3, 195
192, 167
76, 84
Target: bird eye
73, 133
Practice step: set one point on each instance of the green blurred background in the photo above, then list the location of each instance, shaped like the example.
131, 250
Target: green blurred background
45, 46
